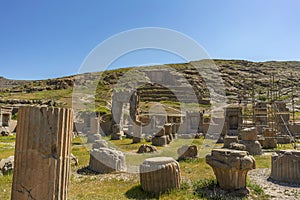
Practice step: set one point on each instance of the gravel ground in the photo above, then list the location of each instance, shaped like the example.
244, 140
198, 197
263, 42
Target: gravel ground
276, 190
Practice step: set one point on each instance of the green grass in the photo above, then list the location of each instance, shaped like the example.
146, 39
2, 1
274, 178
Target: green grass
195, 173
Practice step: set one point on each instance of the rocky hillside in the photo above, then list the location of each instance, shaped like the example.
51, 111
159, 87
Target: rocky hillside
243, 79
8, 83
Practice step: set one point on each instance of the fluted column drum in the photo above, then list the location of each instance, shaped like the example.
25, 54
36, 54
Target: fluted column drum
42, 153
286, 166
160, 174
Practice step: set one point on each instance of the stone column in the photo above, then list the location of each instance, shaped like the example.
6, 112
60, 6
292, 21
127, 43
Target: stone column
286, 166
160, 174
42, 153
230, 167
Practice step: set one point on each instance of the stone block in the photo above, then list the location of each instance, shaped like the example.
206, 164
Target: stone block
105, 160
253, 147
168, 129
99, 144
159, 141
91, 138
187, 151
249, 134
230, 139
160, 133
145, 148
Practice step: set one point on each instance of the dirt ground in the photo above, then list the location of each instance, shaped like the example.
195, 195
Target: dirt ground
276, 190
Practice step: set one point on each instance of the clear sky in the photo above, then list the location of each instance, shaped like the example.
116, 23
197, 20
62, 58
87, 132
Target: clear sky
45, 39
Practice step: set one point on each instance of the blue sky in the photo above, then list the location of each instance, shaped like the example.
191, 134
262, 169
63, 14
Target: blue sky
45, 39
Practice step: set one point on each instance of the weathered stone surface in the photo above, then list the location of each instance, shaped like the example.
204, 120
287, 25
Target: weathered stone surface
249, 134
137, 133
253, 147
160, 174
237, 146
42, 155
286, 166
268, 143
187, 151
168, 129
7, 165
105, 160
91, 138
230, 139
95, 127
230, 167
145, 148
116, 134
160, 133
99, 144
159, 141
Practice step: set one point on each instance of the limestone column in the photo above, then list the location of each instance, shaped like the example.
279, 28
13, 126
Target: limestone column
42, 153
160, 174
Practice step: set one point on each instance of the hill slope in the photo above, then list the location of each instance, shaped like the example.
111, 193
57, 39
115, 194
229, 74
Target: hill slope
240, 78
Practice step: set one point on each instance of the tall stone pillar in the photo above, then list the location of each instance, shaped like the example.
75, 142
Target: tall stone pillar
42, 153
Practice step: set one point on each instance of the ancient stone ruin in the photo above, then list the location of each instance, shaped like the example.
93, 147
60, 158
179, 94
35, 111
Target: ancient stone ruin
145, 148
5, 119
42, 154
230, 167
250, 140
187, 152
233, 120
286, 166
160, 174
106, 160
160, 138
269, 140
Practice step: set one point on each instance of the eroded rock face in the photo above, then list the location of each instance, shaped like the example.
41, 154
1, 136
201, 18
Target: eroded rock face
230, 167
105, 160
187, 151
286, 166
160, 174
145, 148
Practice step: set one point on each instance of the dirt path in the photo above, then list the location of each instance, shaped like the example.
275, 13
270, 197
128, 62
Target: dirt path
276, 190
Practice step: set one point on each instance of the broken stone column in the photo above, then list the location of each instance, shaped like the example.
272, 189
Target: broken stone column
250, 140
105, 160
42, 153
160, 139
230, 139
230, 167
160, 174
286, 166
